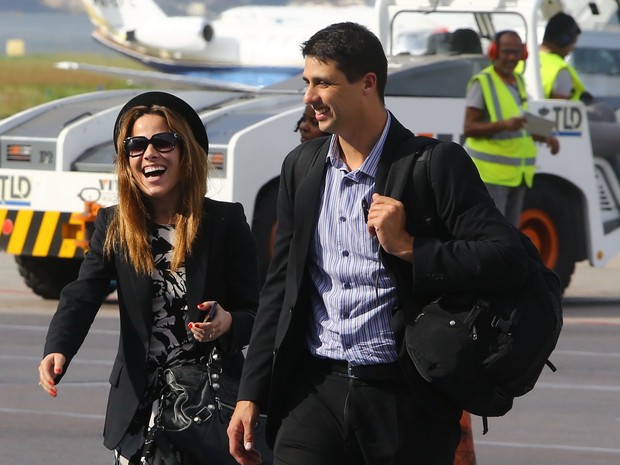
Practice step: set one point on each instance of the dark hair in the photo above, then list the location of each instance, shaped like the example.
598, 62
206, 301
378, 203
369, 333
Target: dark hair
561, 30
504, 32
354, 50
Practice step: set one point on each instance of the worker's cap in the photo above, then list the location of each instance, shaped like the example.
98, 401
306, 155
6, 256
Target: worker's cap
171, 102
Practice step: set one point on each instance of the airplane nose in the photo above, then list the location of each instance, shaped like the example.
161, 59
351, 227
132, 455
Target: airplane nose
207, 32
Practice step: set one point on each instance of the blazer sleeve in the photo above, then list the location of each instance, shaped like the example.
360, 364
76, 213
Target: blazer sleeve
80, 300
484, 251
241, 278
257, 369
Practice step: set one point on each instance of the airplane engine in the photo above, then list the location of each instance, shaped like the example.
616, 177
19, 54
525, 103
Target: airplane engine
181, 34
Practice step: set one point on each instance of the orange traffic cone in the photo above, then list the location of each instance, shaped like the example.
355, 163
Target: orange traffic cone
465, 454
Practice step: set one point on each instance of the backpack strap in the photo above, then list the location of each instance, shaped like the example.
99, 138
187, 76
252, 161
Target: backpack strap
426, 197
422, 179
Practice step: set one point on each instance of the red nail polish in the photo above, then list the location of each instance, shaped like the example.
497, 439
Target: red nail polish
50, 382
57, 371
190, 325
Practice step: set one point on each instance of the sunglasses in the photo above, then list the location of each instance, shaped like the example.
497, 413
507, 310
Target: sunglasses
162, 142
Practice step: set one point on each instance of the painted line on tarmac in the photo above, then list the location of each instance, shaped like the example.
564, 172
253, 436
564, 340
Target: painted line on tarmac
113, 332
562, 447
579, 387
592, 321
89, 384
92, 416
15, 291
587, 354
83, 361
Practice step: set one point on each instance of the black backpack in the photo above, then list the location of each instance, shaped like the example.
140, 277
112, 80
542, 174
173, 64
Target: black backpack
484, 352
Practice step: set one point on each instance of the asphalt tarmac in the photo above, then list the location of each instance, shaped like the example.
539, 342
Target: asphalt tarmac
572, 417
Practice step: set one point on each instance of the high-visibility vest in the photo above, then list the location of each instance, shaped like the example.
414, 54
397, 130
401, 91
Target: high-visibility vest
508, 157
550, 65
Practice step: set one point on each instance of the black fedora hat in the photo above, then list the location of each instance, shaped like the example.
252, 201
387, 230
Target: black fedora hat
172, 102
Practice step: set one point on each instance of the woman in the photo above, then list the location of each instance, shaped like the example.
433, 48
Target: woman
308, 126
173, 254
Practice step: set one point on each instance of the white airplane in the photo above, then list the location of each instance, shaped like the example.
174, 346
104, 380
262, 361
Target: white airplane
252, 44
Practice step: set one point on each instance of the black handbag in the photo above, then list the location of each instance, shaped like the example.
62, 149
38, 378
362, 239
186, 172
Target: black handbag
195, 408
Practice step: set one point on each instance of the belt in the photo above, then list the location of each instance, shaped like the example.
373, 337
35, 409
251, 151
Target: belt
382, 371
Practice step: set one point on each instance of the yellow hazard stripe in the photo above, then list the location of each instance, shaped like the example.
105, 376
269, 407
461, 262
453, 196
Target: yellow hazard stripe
20, 232
42, 234
45, 235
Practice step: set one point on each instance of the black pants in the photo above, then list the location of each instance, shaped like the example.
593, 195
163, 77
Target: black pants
335, 419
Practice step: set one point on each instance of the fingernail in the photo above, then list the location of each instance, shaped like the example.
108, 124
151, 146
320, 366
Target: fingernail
248, 446
51, 383
53, 393
201, 305
190, 325
57, 371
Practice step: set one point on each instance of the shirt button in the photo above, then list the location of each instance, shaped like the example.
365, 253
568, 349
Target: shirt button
345, 253
347, 285
342, 219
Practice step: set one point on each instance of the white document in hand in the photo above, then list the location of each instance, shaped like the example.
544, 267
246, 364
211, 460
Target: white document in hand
537, 125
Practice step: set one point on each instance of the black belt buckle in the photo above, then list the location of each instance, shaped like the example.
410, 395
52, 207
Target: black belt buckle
350, 372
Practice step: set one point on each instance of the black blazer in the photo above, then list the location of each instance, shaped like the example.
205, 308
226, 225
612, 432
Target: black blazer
222, 266
478, 251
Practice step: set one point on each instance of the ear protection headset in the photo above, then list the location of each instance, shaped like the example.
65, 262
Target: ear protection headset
493, 50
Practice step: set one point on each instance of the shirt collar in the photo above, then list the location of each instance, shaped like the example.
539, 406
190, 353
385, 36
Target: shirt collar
369, 167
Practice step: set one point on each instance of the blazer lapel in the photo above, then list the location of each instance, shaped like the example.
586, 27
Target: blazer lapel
307, 197
394, 169
196, 266
395, 165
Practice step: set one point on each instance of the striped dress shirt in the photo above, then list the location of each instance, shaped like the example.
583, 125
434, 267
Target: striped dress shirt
352, 295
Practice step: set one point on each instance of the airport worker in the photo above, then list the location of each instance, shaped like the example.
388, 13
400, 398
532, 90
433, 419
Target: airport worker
498, 141
174, 253
353, 259
561, 81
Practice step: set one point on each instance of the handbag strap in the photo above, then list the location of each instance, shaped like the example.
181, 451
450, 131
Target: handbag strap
156, 440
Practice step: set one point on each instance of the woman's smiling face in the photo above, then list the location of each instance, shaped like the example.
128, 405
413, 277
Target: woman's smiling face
156, 173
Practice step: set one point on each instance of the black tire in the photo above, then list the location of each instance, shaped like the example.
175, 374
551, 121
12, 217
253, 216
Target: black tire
551, 221
46, 276
264, 224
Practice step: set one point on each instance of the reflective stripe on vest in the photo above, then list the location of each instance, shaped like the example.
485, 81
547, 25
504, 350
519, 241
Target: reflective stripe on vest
500, 159
550, 66
507, 157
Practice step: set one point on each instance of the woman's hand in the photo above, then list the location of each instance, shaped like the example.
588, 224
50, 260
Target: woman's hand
50, 367
214, 325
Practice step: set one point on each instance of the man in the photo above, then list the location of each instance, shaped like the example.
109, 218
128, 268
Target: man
497, 139
326, 359
561, 81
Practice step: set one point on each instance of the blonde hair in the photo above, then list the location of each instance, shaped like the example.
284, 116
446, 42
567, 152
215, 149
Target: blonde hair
130, 229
